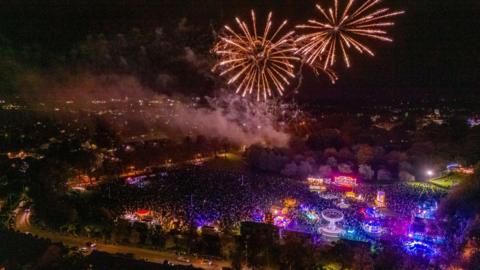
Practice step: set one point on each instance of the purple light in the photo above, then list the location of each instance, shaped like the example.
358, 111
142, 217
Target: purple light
281, 221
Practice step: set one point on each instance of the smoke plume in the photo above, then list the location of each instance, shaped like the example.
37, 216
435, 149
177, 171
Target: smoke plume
133, 109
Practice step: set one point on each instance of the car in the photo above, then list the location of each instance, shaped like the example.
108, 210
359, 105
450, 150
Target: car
206, 261
91, 245
183, 259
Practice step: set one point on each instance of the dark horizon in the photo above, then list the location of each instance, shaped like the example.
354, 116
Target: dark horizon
433, 53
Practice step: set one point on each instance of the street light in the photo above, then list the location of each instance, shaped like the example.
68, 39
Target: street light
429, 173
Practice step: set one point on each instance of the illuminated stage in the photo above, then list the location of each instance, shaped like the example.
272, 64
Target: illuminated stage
345, 181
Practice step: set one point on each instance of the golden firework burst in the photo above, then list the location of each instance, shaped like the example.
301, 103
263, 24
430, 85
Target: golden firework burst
257, 62
342, 30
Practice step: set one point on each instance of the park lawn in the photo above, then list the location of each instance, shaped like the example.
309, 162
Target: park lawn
422, 184
447, 181
229, 161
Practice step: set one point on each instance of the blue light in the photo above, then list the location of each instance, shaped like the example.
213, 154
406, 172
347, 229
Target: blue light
312, 216
258, 216
453, 166
373, 213
373, 227
420, 248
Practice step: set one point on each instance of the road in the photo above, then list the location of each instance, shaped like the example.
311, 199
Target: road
22, 224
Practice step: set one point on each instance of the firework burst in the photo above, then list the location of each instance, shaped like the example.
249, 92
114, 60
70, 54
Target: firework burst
255, 61
341, 30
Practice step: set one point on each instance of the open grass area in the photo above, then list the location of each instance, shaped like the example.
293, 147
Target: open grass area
230, 161
447, 181
422, 184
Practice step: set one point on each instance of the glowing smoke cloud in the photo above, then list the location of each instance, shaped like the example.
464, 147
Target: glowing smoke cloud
122, 99
228, 117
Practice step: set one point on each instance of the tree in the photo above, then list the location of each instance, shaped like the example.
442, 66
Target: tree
405, 166
69, 228
330, 152
384, 175
364, 153
379, 152
406, 176
265, 159
236, 256
366, 172
344, 168
325, 171
305, 169
134, 237
48, 189
331, 161
389, 258
472, 145
296, 253
345, 154
461, 208
362, 259
291, 169
332, 138
395, 157
457, 128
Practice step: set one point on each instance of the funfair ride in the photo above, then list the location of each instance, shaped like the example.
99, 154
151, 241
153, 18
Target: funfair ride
331, 231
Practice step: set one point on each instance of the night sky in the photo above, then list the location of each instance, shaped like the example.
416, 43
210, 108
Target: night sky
435, 50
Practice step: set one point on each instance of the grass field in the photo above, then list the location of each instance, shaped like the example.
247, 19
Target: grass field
422, 184
447, 181
230, 161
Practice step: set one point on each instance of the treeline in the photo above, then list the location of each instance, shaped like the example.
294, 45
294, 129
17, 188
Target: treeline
350, 144
461, 210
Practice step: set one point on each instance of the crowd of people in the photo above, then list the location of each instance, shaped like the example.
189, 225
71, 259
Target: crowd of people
199, 196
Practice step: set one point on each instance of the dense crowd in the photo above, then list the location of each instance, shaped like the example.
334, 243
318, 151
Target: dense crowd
197, 196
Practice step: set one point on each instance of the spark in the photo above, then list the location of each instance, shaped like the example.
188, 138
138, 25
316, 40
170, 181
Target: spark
338, 31
257, 61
